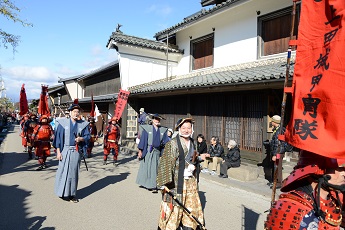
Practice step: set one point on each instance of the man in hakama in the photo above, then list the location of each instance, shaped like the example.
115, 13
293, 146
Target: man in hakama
71, 138
152, 141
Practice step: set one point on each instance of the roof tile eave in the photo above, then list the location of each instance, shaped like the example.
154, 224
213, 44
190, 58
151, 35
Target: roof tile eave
142, 42
247, 72
198, 15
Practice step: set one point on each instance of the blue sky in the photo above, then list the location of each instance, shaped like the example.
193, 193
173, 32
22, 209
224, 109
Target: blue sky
69, 38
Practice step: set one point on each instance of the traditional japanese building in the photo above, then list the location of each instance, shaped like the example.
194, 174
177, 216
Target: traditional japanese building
101, 84
224, 66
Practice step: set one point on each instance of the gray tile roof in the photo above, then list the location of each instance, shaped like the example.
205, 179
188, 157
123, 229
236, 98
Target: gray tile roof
99, 70
141, 42
69, 78
253, 72
91, 73
54, 88
197, 16
101, 98
211, 2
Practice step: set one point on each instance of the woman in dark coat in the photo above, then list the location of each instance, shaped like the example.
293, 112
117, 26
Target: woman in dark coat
231, 160
201, 145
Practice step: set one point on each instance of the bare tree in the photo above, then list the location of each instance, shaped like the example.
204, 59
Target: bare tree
9, 10
6, 104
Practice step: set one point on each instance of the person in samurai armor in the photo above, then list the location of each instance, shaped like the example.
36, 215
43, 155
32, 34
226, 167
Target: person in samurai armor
29, 131
70, 140
312, 195
152, 141
178, 171
93, 133
22, 131
43, 134
111, 140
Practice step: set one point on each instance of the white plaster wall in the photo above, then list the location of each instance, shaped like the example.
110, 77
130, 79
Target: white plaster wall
74, 89
235, 33
235, 42
144, 66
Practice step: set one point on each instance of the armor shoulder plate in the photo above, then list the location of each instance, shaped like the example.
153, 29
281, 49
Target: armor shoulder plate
288, 211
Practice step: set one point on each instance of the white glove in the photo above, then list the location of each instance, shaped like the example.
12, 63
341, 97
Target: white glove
191, 167
188, 172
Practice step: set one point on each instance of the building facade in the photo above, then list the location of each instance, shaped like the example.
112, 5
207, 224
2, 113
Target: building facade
224, 66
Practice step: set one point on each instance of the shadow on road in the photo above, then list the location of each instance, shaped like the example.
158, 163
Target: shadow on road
249, 218
100, 184
202, 199
15, 162
14, 214
127, 159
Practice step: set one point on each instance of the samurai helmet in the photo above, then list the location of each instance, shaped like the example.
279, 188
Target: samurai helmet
43, 117
310, 164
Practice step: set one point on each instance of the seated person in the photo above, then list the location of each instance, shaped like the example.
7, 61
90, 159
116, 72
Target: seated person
170, 132
231, 160
214, 156
201, 145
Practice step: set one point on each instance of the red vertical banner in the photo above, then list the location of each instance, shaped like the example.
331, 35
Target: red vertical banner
122, 98
43, 108
92, 113
23, 102
318, 92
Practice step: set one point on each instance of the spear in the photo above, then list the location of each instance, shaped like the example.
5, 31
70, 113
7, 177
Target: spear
287, 75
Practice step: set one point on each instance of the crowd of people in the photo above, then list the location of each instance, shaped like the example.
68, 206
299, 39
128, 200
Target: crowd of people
170, 162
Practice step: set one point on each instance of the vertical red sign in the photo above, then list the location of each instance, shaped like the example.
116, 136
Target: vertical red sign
318, 94
122, 98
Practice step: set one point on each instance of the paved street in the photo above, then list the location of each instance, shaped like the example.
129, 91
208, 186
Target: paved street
109, 196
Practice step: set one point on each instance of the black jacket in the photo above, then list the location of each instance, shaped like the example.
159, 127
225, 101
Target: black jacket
216, 151
233, 157
201, 147
274, 143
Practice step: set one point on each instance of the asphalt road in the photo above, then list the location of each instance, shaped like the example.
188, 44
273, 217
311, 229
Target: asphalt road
109, 196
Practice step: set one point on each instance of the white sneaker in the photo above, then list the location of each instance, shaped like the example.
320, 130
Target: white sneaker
213, 173
205, 170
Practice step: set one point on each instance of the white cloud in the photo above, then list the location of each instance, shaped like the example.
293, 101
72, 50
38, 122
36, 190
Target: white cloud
26, 72
32, 89
32, 77
101, 59
97, 50
160, 10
